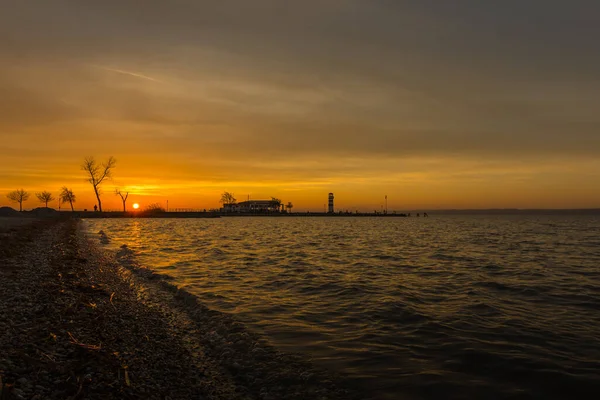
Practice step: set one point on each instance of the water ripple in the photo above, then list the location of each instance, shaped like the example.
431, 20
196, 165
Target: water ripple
445, 307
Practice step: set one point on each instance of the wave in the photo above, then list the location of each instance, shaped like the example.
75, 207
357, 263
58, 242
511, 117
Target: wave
451, 309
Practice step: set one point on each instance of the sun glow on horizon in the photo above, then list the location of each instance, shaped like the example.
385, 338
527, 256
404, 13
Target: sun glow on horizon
136, 206
260, 108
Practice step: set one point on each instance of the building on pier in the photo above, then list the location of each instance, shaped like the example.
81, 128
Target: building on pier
253, 206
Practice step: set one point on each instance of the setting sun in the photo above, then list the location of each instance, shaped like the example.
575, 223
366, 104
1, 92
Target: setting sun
136, 206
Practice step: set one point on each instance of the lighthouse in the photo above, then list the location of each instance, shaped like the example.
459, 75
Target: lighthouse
330, 203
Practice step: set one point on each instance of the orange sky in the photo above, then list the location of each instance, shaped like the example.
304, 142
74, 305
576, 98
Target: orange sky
434, 106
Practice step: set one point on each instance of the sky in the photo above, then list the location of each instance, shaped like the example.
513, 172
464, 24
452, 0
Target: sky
436, 104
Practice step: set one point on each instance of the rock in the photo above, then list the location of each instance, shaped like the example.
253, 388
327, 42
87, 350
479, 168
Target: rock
167, 341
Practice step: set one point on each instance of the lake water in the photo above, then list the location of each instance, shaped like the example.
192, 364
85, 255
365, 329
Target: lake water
443, 307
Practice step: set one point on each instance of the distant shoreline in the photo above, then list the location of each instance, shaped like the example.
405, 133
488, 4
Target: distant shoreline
227, 215
51, 213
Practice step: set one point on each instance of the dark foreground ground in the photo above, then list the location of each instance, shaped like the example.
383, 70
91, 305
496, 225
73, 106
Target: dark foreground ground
75, 324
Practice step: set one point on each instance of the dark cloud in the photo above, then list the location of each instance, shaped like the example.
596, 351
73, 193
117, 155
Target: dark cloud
275, 80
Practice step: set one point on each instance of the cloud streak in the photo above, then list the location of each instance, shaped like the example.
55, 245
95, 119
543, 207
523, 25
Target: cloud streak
188, 84
129, 73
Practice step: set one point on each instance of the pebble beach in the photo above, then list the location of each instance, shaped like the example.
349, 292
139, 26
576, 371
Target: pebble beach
79, 322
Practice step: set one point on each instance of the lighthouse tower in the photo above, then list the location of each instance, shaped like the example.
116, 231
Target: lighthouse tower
330, 203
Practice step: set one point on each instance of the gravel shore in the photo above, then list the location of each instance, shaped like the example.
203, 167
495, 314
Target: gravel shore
77, 322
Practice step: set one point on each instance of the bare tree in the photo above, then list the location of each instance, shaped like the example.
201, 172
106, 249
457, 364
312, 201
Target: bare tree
227, 198
67, 196
18, 196
98, 173
123, 198
44, 197
289, 206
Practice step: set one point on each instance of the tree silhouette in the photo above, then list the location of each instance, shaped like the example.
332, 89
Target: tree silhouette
44, 197
123, 198
289, 206
98, 173
227, 198
67, 196
275, 203
154, 208
18, 196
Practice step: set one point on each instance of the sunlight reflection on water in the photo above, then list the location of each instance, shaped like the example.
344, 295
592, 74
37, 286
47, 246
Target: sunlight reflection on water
470, 304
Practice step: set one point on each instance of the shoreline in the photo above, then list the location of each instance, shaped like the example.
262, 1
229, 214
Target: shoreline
186, 214
80, 322
49, 213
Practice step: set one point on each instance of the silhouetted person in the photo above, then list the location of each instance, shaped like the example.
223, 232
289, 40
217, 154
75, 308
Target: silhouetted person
418, 215
95, 208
